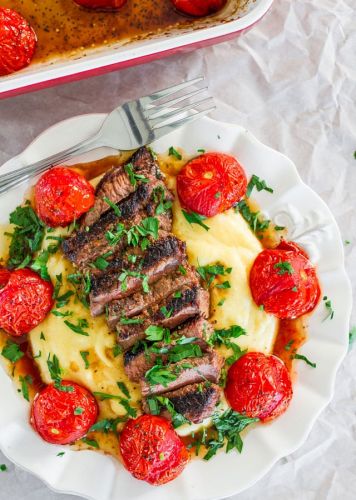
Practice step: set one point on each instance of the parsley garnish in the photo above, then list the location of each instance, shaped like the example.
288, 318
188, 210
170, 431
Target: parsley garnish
12, 351
224, 336
56, 374
101, 263
84, 355
39, 265
167, 313
124, 402
60, 454
42, 337
329, 308
209, 273
113, 206
194, 218
129, 169
284, 267
352, 335
173, 152
182, 270
184, 351
159, 375
156, 333
221, 302
78, 410
131, 321
156, 402
225, 284
116, 350
107, 425
79, 328
228, 426
123, 388
25, 381
159, 197
259, 184
3, 467
288, 346
256, 223
91, 442
279, 228
303, 358
27, 236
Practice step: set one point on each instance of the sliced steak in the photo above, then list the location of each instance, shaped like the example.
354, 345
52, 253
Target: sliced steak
138, 302
176, 311
162, 257
197, 327
116, 184
188, 371
139, 359
86, 245
194, 401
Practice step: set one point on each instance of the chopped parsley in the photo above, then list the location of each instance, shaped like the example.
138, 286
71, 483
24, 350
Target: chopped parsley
284, 267
182, 270
194, 218
184, 351
113, 206
90, 442
107, 425
25, 381
279, 228
228, 427
125, 274
79, 327
155, 403
288, 346
221, 302
42, 337
160, 375
123, 388
116, 350
303, 358
61, 454
159, 197
259, 184
63, 300
225, 284
133, 177
3, 467
167, 313
156, 333
27, 236
124, 402
329, 308
78, 410
55, 372
12, 351
173, 152
101, 263
131, 321
352, 335
84, 355
224, 336
253, 219
210, 272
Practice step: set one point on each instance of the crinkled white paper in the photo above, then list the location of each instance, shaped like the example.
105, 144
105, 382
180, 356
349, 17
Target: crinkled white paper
291, 80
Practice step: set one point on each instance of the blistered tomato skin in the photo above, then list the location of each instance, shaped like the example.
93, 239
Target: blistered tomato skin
151, 450
55, 415
62, 196
101, 4
211, 184
25, 301
287, 292
259, 386
17, 42
199, 8
4, 276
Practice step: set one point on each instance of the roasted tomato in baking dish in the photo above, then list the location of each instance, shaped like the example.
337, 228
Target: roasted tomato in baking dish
101, 4
211, 183
17, 41
25, 300
62, 196
151, 450
259, 386
199, 8
284, 281
63, 413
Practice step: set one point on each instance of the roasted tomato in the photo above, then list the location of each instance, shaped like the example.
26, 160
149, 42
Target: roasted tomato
61, 196
17, 41
284, 282
211, 183
151, 450
61, 417
4, 276
25, 300
259, 386
199, 8
101, 4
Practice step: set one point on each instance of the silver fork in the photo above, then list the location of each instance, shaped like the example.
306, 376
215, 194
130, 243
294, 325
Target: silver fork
130, 126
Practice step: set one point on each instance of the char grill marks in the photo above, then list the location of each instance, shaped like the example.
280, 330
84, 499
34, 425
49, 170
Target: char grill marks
144, 282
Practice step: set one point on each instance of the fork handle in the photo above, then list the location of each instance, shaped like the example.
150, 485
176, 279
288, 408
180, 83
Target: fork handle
21, 173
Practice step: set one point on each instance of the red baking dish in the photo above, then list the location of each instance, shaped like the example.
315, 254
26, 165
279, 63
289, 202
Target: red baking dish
233, 20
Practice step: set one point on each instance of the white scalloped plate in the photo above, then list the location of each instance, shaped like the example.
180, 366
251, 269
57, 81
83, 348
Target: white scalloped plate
310, 222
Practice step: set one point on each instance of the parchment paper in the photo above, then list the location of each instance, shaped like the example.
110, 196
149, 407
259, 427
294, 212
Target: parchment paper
291, 80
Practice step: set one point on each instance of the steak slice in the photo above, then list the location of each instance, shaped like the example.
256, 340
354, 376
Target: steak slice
137, 303
116, 184
139, 359
187, 371
88, 244
162, 257
197, 327
176, 310
194, 401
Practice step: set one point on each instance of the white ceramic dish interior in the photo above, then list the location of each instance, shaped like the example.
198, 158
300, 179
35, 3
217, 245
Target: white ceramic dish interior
310, 222
118, 55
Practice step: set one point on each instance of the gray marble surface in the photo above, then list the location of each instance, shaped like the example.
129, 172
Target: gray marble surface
292, 81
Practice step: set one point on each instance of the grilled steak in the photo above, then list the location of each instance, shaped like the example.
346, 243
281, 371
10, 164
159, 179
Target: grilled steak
169, 314
162, 257
200, 369
84, 246
195, 401
137, 303
197, 327
117, 185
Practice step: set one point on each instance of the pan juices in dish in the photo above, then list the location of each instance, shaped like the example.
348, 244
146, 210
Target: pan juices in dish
95, 362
